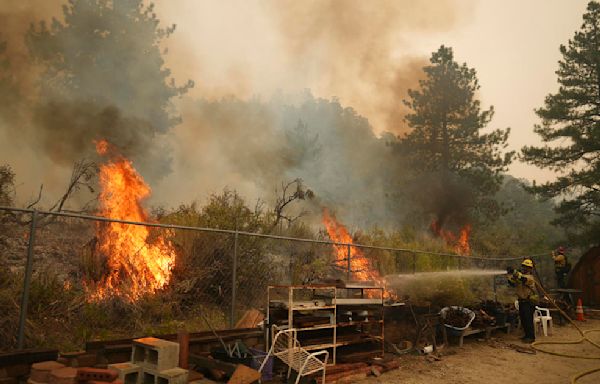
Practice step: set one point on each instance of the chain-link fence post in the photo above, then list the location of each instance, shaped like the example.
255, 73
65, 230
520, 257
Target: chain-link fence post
234, 278
349, 257
414, 262
27, 281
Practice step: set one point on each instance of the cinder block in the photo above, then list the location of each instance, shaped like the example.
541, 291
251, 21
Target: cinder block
148, 377
40, 372
96, 374
172, 376
128, 373
155, 354
65, 375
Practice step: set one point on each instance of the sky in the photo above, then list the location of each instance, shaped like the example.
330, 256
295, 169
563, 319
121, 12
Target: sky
236, 47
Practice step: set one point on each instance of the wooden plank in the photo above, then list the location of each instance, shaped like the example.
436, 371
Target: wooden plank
28, 356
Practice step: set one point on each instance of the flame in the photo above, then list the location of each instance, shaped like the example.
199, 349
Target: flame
460, 242
360, 266
136, 265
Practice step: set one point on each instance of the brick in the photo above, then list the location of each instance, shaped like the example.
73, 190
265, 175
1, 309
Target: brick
128, 373
155, 354
172, 376
96, 374
66, 375
40, 371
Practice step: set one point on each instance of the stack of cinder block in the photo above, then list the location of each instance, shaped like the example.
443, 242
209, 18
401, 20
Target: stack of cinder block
153, 361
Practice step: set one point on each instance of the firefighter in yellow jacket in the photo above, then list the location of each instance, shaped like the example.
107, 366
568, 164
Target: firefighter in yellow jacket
525, 285
561, 267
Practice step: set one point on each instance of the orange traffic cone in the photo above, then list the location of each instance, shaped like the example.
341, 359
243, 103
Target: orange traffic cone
579, 310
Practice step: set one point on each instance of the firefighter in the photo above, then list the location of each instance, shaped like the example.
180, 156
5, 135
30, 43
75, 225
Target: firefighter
525, 285
561, 267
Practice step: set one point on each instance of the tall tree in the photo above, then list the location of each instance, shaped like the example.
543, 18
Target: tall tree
445, 140
571, 128
103, 74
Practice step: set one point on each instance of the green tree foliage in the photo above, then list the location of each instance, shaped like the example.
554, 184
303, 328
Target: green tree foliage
523, 229
7, 185
10, 95
107, 52
446, 122
103, 76
571, 128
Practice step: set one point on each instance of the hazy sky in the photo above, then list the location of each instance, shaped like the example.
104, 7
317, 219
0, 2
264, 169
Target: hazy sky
238, 47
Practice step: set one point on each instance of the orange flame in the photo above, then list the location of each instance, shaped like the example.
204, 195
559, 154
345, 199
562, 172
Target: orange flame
360, 266
136, 266
460, 242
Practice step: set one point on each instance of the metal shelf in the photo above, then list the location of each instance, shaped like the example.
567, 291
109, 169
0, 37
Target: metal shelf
338, 299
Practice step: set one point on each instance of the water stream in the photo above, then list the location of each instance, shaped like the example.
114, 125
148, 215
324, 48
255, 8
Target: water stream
464, 273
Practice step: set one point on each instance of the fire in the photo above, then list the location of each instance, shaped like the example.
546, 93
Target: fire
361, 267
460, 242
136, 265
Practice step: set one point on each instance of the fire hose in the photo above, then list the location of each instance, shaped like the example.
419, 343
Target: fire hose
584, 338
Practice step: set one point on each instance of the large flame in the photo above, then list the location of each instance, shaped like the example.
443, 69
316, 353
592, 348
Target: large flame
459, 242
360, 266
136, 265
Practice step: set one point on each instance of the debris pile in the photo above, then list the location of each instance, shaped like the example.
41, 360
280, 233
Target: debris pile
457, 318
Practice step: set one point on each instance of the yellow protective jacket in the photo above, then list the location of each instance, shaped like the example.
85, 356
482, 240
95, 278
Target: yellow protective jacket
560, 261
524, 285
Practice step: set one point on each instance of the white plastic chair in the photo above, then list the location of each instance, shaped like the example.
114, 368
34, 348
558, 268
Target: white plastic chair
543, 320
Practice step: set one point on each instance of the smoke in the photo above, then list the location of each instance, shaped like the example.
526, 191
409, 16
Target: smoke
359, 50
357, 58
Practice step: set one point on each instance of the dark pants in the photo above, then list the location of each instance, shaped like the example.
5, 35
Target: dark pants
526, 309
561, 278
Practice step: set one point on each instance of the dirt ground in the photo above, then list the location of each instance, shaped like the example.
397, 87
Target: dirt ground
493, 362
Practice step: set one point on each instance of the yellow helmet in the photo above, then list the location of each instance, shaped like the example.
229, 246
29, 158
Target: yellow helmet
527, 263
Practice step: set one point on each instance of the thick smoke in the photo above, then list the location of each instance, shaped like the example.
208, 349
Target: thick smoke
355, 57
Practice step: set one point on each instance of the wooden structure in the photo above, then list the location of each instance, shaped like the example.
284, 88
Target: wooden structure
344, 320
586, 277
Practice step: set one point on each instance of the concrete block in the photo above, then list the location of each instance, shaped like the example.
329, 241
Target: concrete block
128, 373
155, 354
65, 375
40, 372
172, 376
148, 377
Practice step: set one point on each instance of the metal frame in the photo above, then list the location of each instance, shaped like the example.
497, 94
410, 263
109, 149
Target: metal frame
270, 333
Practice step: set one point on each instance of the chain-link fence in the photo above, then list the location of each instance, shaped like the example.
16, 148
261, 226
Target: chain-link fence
53, 264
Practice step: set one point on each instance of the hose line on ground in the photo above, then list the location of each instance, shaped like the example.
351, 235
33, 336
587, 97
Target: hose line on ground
584, 337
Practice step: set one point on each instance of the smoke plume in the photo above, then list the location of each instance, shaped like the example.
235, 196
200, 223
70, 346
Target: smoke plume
250, 122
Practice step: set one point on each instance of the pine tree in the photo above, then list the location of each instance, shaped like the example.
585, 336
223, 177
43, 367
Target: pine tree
445, 140
571, 128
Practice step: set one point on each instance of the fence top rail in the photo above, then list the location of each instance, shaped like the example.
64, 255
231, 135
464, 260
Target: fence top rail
263, 235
